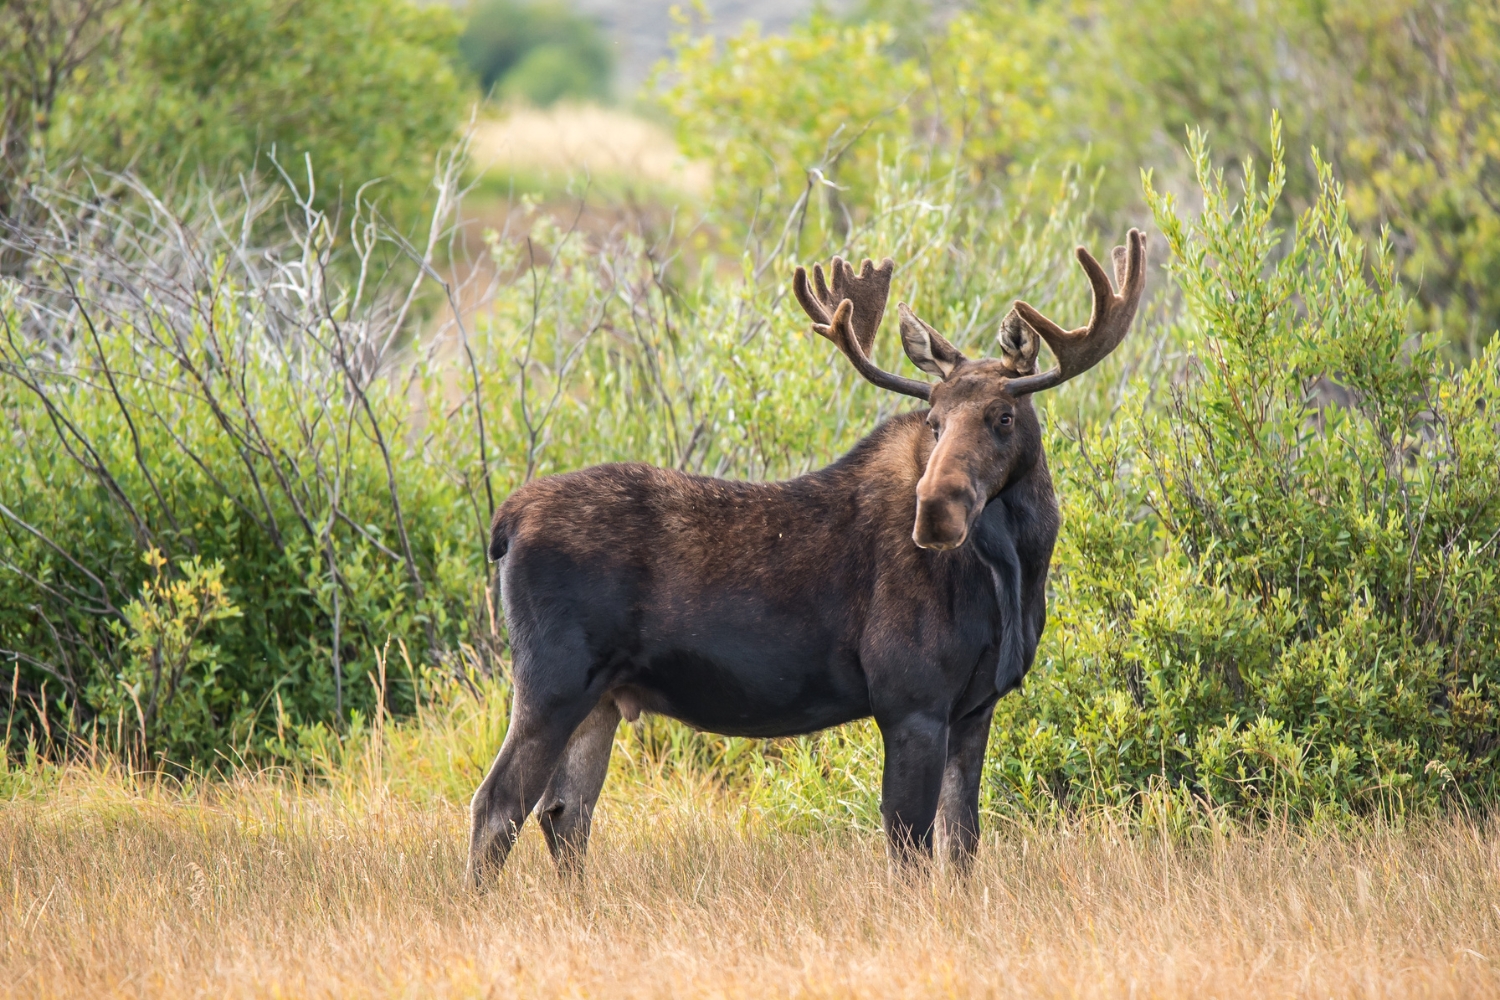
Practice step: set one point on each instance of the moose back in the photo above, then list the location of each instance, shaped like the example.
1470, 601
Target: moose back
906, 581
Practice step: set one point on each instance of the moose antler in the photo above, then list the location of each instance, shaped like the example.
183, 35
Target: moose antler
1079, 350
849, 314
868, 291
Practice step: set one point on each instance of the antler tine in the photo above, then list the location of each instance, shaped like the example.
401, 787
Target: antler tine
860, 299
813, 305
869, 291
1079, 350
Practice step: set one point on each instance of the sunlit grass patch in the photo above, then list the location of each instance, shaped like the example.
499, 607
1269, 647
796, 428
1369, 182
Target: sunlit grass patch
260, 885
568, 149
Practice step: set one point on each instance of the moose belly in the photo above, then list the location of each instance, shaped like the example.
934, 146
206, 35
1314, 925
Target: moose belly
746, 674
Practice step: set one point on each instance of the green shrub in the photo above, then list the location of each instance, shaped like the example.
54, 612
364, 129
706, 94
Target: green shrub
250, 412
169, 677
215, 506
1274, 591
1395, 93
1275, 588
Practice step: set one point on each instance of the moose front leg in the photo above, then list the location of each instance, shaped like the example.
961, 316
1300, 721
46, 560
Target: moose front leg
916, 748
958, 805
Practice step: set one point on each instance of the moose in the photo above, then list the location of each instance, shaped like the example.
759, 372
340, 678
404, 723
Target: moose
906, 581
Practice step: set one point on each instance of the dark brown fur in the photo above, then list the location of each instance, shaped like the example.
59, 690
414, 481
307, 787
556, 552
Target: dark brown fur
907, 582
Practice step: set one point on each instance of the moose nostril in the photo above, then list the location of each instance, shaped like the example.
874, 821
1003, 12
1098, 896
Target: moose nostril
941, 525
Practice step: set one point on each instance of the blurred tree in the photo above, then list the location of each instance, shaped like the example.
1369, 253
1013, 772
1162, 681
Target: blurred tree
1396, 94
781, 118
1416, 131
537, 52
42, 44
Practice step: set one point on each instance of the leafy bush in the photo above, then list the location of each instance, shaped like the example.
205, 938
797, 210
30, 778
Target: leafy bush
249, 411
783, 124
1274, 592
774, 117
174, 391
536, 52
1274, 589
163, 657
1276, 583
1393, 92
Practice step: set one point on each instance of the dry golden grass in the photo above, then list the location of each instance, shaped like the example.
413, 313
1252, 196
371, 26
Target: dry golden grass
260, 887
573, 138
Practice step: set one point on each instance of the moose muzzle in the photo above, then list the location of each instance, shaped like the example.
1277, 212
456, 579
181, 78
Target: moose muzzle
944, 512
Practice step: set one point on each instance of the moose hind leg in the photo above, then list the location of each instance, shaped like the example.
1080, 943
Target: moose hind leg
915, 752
533, 745
958, 805
566, 809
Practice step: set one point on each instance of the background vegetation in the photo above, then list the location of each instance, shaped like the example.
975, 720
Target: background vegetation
1392, 93
176, 90
536, 52
251, 459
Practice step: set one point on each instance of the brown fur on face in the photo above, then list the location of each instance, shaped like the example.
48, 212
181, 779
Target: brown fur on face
983, 437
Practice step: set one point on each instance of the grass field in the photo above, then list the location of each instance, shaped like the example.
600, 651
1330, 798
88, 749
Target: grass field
262, 886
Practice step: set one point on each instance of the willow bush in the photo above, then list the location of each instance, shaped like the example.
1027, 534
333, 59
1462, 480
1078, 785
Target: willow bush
1394, 92
213, 513
236, 485
1276, 586
234, 476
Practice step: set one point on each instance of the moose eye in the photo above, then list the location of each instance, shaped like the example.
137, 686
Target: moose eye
1006, 420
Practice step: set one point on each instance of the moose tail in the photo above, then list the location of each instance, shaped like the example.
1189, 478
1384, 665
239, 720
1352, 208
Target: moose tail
500, 531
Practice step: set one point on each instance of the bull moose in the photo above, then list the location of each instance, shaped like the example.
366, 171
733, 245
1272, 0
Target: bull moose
906, 581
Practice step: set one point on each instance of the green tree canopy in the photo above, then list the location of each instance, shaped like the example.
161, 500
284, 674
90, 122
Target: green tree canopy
537, 52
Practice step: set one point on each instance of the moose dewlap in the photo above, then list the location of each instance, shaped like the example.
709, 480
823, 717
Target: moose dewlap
906, 581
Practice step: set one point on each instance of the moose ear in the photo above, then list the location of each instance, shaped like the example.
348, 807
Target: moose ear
926, 347
1018, 343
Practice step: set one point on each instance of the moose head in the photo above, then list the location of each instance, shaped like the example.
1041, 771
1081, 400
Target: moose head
984, 428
